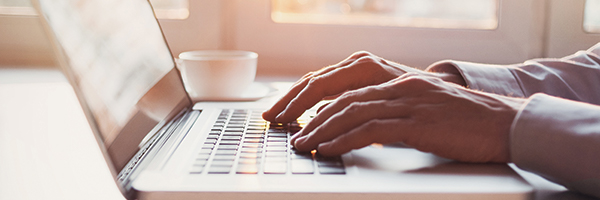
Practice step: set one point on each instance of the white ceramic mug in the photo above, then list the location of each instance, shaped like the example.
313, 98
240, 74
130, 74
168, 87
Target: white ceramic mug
217, 74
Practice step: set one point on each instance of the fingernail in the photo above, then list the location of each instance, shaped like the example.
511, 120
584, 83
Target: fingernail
300, 140
323, 146
278, 117
293, 138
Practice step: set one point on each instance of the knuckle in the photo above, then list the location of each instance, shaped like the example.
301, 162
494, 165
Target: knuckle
415, 81
367, 59
348, 95
408, 75
296, 103
315, 82
360, 54
371, 127
354, 108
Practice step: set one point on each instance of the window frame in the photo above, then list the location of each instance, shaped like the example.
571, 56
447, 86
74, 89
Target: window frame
298, 48
565, 33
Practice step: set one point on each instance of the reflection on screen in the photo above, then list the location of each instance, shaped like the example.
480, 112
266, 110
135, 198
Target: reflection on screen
116, 51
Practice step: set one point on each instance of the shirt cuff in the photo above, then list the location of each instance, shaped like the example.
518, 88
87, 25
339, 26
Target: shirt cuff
496, 79
559, 139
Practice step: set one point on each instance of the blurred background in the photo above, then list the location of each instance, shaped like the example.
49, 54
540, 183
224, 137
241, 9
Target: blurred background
293, 37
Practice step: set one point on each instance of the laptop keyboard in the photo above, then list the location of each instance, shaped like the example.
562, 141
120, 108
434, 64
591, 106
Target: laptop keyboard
241, 142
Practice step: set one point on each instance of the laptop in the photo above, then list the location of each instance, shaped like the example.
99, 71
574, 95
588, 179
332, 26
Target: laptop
161, 145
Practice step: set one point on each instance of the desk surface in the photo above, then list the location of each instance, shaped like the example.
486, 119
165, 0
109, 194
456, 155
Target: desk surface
48, 151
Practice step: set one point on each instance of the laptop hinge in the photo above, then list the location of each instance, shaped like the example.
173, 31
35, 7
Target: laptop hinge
150, 147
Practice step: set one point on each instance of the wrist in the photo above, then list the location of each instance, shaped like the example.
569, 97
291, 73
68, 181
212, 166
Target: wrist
450, 74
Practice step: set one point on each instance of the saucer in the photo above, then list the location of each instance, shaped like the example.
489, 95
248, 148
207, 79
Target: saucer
255, 91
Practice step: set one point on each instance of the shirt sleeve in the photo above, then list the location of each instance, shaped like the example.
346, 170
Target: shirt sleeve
556, 134
559, 139
575, 77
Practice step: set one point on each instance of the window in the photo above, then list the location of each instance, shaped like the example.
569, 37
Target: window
591, 22
16, 7
454, 14
164, 9
171, 9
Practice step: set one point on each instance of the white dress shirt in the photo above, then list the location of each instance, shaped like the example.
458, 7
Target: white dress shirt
556, 134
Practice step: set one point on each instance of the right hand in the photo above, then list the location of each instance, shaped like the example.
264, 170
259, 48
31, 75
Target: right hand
359, 70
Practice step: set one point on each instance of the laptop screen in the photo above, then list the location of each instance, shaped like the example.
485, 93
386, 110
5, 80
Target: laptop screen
114, 53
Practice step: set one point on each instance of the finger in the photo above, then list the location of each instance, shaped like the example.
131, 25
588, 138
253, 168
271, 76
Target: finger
360, 95
362, 72
369, 93
322, 107
272, 112
353, 116
407, 89
374, 131
282, 103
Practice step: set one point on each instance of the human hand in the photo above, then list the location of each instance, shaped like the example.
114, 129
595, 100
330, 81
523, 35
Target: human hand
359, 70
421, 111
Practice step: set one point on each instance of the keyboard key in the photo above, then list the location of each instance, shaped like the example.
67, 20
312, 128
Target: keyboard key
257, 121
304, 156
275, 149
234, 142
331, 170
219, 170
212, 137
252, 145
247, 169
330, 163
275, 159
210, 141
272, 139
302, 167
224, 158
196, 169
227, 147
251, 150
231, 137
235, 126
221, 163
200, 162
280, 144
253, 140
249, 161
280, 133
255, 136
250, 155
233, 133
255, 132
275, 168
257, 128
275, 154
237, 118
234, 129
225, 152
202, 156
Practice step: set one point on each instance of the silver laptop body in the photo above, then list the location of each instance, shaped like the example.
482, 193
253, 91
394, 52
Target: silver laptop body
157, 143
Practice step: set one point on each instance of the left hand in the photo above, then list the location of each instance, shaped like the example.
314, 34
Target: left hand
421, 111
